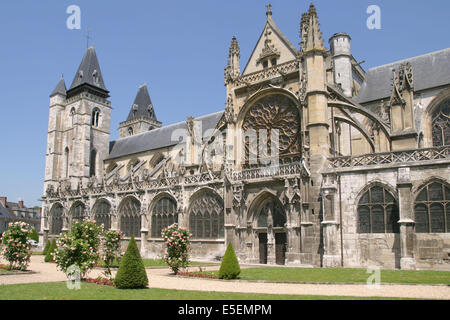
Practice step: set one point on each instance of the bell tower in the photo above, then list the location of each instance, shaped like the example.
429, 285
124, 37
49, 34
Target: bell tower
79, 127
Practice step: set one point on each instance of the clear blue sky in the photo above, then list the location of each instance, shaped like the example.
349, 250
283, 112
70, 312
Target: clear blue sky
178, 47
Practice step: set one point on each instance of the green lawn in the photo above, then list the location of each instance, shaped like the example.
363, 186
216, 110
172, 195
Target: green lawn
343, 275
90, 291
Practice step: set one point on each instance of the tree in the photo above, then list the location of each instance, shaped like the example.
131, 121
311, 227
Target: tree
110, 249
47, 246
131, 273
229, 269
78, 250
49, 255
16, 248
178, 246
34, 235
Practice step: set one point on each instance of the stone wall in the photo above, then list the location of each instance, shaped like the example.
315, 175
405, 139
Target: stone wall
430, 251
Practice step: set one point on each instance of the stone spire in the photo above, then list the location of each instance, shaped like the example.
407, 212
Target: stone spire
310, 31
142, 117
142, 106
60, 88
233, 69
89, 74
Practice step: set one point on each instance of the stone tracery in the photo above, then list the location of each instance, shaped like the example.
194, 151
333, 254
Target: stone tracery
273, 113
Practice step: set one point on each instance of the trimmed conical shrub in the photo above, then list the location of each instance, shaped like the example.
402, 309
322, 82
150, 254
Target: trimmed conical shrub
48, 255
229, 269
47, 246
131, 273
34, 235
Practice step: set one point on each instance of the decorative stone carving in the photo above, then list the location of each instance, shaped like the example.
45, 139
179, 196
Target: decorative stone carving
403, 80
274, 112
230, 117
269, 49
238, 195
292, 192
190, 126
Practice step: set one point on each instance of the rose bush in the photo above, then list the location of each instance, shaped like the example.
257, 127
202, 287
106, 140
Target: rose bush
16, 250
178, 246
79, 247
110, 250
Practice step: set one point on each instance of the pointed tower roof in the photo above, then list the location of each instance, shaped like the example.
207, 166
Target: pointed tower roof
142, 106
271, 42
60, 88
89, 72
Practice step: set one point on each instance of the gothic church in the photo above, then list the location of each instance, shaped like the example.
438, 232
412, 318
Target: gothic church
360, 176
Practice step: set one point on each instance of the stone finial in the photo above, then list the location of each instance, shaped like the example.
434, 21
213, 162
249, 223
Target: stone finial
310, 31
234, 48
233, 70
269, 10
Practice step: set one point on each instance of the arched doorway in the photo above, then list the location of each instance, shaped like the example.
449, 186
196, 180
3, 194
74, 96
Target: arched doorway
270, 227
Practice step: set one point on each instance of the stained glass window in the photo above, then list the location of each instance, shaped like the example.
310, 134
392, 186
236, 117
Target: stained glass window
164, 214
441, 125
56, 219
378, 212
130, 217
432, 209
272, 210
78, 212
206, 217
102, 214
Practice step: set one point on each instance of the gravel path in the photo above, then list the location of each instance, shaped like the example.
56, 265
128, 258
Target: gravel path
161, 278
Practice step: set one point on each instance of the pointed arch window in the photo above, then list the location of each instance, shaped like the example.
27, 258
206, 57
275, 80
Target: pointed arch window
432, 209
66, 156
56, 219
93, 163
164, 214
130, 217
378, 212
130, 131
272, 213
72, 116
102, 214
441, 125
95, 117
78, 212
206, 217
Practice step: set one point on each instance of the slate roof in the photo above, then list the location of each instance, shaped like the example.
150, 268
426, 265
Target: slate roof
60, 88
8, 211
430, 70
157, 138
142, 106
4, 213
88, 68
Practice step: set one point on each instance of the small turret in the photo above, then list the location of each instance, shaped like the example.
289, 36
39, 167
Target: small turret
342, 59
142, 115
60, 88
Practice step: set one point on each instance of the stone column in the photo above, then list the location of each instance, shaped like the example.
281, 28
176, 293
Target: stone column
144, 231
330, 225
65, 226
43, 232
114, 215
271, 254
404, 186
293, 233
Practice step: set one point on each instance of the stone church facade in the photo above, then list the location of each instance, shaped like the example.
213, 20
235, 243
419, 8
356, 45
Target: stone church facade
312, 162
